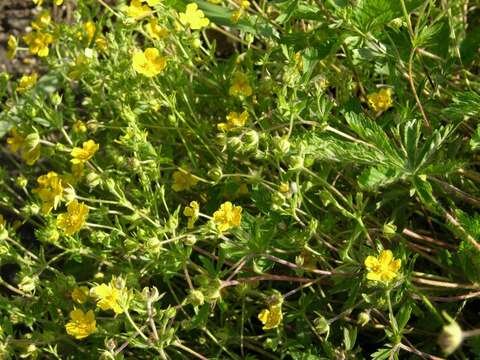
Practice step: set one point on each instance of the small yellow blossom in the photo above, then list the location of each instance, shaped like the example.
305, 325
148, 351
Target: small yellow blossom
234, 120
74, 219
77, 170
227, 216
42, 21
183, 180
381, 101
284, 187
12, 44
15, 141
155, 31
85, 153
27, 82
383, 268
192, 213
101, 43
89, 28
79, 127
137, 10
81, 325
153, 2
38, 2
31, 156
149, 62
236, 15
193, 17
271, 317
80, 294
38, 42
240, 86
49, 190
108, 296
58, 2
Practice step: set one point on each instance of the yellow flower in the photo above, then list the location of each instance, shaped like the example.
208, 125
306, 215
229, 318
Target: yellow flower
85, 153
152, 2
183, 180
240, 86
79, 127
58, 2
234, 120
15, 141
89, 28
284, 187
80, 294
108, 296
12, 44
42, 21
31, 156
243, 3
38, 2
380, 101
155, 31
236, 15
74, 219
38, 43
101, 43
50, 191
271, 317
193, 17
227, 216
192, 213
137, 10
149, 62
383, 268
27, 82
81, 325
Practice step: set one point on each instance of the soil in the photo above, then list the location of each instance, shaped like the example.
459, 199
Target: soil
15, 17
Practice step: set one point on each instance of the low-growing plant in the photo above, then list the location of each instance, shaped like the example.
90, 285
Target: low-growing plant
240, 179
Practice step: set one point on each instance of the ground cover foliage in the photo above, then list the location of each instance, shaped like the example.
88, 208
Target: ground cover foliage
242, 180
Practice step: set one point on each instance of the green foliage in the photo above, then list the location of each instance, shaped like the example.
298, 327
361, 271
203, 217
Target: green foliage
238, 197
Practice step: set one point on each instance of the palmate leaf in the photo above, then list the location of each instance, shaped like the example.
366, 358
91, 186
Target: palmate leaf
370, 14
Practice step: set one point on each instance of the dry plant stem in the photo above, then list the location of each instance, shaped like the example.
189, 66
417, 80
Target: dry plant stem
125, 344
190, 351
456, 191
414, 90
457, 298
457, 225
419, 353
443, 284
414, 235
265, 278
151, 321
14, 289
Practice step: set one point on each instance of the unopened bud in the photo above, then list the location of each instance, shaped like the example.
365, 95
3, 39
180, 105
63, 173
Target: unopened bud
450, 338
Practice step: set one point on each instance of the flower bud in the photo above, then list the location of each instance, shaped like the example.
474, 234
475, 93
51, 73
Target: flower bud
196, 298
282, 145
450, 338
93, 180
363, 318
321, 325
190, 240
215, 174
251, 140
21, 181
296, 162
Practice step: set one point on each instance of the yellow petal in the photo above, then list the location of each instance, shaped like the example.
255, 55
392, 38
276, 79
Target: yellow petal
371, 262
385, 257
